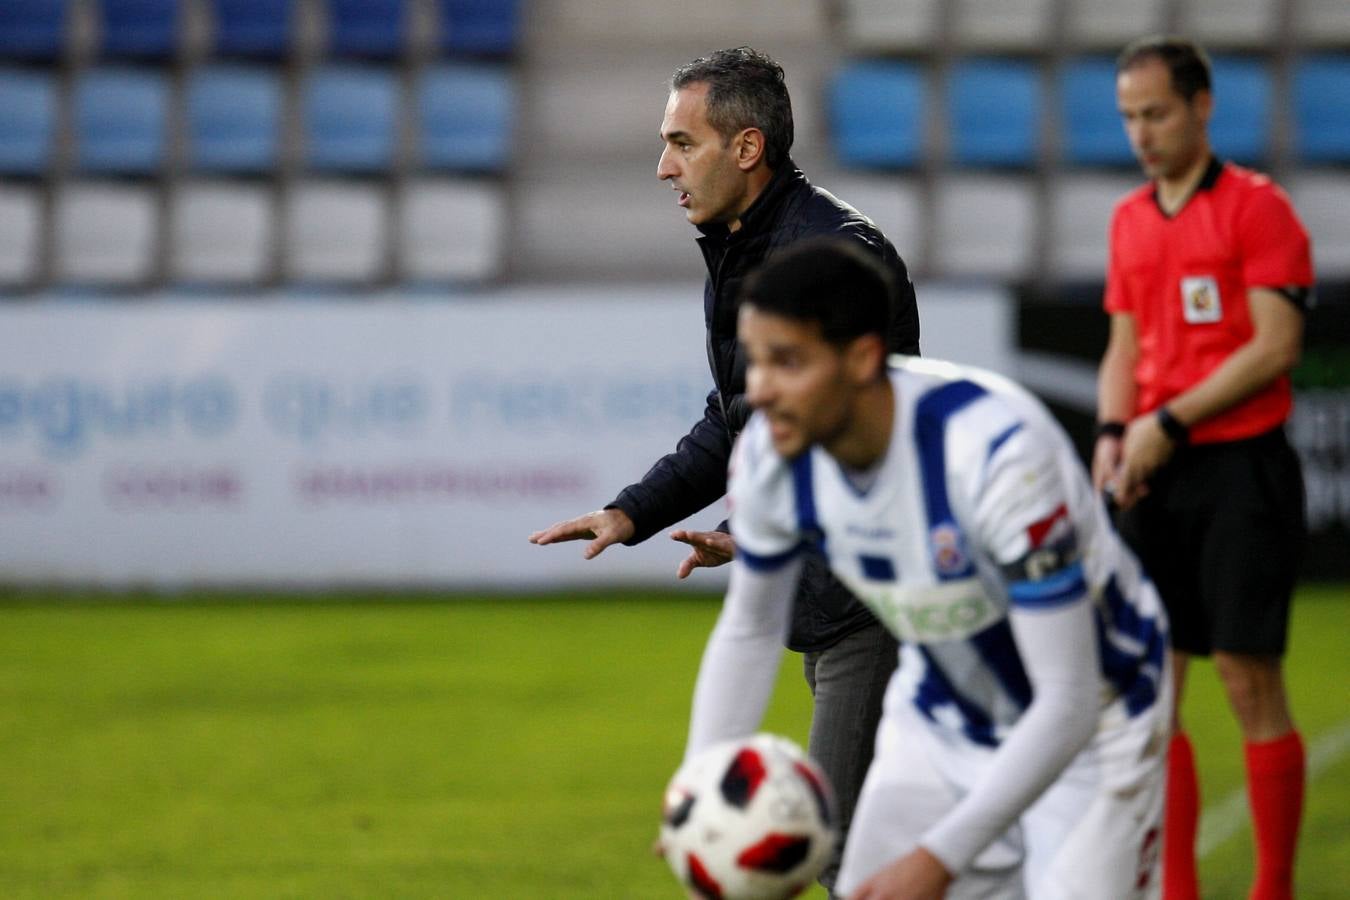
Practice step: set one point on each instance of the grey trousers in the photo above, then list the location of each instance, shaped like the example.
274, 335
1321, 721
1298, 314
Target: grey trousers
848, 681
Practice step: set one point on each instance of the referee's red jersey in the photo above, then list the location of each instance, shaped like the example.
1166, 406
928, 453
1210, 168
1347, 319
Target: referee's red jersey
1185, 280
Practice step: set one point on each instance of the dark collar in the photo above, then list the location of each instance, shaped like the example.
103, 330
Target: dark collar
1206, 182
761, 210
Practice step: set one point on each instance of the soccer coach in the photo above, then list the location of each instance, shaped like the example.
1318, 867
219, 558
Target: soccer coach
727, 132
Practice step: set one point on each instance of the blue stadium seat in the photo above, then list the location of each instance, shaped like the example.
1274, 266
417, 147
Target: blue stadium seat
351, 118
369, 28
994, 112
1240, 127
1322, 109
479, 26
465, 115
119, 118
27, 121
1092, 133
877, 114
32, 29
253, 28
233, 119
139, 28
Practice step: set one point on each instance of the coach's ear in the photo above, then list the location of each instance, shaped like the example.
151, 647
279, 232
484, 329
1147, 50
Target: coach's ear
865, 358
749, 148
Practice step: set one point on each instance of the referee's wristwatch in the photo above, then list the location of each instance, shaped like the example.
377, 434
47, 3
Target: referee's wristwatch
1178, 433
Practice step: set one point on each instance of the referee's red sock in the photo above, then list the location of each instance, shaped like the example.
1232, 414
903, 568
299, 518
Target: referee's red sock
1181, 819
1275, 775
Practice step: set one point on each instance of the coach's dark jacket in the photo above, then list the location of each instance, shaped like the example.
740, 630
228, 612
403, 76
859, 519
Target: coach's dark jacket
684, 482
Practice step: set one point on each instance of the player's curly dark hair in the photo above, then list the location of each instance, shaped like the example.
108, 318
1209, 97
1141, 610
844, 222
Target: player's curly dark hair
746, 89
1185, 60
830, 281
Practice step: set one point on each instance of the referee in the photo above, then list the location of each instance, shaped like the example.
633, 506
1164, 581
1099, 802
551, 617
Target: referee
1208, 283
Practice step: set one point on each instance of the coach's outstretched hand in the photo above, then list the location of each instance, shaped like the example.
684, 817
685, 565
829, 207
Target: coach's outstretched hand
711, 548
602, 528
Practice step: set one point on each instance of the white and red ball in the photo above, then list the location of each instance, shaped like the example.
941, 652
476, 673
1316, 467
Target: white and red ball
751, 819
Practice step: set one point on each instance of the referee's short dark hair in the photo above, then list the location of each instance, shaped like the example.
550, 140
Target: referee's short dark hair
1186, 61
827, 280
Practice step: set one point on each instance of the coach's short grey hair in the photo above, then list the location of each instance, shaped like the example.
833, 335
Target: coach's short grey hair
746, 89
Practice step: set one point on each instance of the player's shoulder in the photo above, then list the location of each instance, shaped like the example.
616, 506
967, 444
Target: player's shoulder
965, 405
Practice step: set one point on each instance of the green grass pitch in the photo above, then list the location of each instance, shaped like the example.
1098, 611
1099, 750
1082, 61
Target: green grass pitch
213, 746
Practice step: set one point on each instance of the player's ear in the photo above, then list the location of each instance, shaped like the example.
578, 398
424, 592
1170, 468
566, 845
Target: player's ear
865, 357
749, 148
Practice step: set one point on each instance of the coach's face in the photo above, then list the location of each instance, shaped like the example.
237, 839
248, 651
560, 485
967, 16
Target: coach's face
1167, 132
708, 173
796, 378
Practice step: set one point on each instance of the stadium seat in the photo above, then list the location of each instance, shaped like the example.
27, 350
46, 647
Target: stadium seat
233, 119
1321, 89
20, 235
350, 118
1240, 126
479, 26
984, 227
877, 114
222, 233
33, 29
1110, 24
994, 113
139, 28
1001, 24
367, 28
451, 231
894, 202
1230, 23
337, 233
884, 25
27, 121
105, 234
119, 116
1321, 198
1080, 214
1322, 22
252, 28
1091, 132
466, 114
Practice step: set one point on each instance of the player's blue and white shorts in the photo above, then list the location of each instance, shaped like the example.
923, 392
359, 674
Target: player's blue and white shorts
1095, 833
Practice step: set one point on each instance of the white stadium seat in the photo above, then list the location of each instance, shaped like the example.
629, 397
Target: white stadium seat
1321, 199
999, 24
451, 230
985, 227
20, 235
1080, 214
1110, 24
223, 232
1230, 23
1322, 22
337, 232
880, 25
105, 234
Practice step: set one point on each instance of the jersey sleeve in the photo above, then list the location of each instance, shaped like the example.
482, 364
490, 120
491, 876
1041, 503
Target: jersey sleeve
1276, 251
761, 496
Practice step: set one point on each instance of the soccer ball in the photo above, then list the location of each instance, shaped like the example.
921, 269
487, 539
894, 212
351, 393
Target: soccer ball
749, 819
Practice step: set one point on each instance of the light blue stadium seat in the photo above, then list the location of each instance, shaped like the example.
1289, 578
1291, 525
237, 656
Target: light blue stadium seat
139, 28
233, 119
32, 29
1092, 133
351, 118
1240, 127
253, 28
27, 121
877, 114
120, 118
994, 112
1321, 88
370, 28
465, 117
479, 26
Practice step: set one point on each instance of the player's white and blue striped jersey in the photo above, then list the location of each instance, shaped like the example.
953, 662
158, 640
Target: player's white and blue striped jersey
979, 506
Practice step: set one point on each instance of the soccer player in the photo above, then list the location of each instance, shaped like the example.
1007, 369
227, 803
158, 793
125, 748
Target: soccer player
1208, 281
726, 135
1022, 739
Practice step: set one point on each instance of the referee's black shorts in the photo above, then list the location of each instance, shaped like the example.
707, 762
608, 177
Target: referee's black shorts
1220, 533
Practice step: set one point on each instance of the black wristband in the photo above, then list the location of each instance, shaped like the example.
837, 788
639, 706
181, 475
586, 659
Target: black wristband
1180, 434
1111, 429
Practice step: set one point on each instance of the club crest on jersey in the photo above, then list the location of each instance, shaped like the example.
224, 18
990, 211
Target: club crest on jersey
947, 547
1200, 300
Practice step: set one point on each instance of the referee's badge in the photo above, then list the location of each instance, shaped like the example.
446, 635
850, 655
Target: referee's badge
1200, 299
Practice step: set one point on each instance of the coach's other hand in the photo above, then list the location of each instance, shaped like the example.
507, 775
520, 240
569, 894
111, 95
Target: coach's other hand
711, 548
602, 528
